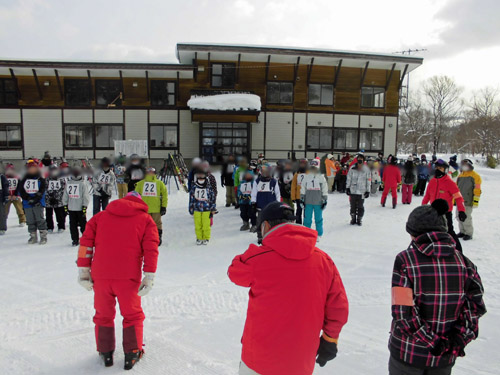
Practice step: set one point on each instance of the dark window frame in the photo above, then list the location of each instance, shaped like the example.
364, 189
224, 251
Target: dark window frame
372, 131
118, 102
93, 127
373, 93
319, 149
345, 149
153, 83
280, 83
321, 84
5, 127
232, 69
247, 127
4, 92
170, 125
87, 90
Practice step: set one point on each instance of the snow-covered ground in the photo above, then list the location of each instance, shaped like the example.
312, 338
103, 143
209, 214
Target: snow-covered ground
195, 315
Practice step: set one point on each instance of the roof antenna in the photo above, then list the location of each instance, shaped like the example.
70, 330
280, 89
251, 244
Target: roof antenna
405, 87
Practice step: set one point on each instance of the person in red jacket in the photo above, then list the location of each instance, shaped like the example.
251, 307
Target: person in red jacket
296, 292
119, 243
391, 179
442, 186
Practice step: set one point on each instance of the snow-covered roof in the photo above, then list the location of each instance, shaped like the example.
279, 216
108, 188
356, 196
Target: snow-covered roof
225, 102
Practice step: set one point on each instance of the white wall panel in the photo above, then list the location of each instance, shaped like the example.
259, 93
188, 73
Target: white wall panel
299, 134
159, 154
279, 131
372, 122
79, 154
390, 135
99, 154
11, 155
136, 124
346, 121
158, 116
109, 116
189, 136
257, 131
42, 132
10, 116
77, 116
320, 119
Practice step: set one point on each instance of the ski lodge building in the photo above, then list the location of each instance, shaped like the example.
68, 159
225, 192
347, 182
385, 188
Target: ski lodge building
218, 99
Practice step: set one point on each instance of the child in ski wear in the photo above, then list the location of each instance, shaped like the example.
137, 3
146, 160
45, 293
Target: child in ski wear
391, 179
227, 182
409, 179
265, 190
54, 200
201, 205
298, 178
285, 182
314, 194
135, 172
247, 213
103, 183
469, 183
331, 171
154, 193
76, 198
4, 194
32, 190
358, 189
423, 171
14, 198
119, 171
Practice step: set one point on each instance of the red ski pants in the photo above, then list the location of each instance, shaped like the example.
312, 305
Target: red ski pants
407, 193
393, 190
105, 294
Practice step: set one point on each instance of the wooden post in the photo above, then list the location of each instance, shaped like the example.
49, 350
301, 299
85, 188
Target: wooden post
40, 93
337, 73
15, 81
58, 80
390, 77
364, 74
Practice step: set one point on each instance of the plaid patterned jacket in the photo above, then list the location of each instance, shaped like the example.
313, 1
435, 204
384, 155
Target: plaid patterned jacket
435, 289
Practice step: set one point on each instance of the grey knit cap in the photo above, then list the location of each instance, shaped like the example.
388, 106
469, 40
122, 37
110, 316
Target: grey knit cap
425, 219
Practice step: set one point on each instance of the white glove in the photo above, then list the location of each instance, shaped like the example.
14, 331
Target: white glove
147, 284
84, 278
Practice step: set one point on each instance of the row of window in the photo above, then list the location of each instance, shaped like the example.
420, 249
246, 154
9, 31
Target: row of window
344, 139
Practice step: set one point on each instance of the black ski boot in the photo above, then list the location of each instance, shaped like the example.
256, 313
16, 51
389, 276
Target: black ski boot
245, 226
132, 358
359, 221
394, 202
107, 358
353, 219
160, 232
383, 202
253, 229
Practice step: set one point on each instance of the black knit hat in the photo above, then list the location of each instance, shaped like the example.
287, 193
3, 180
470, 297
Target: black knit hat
277, 211
426, 219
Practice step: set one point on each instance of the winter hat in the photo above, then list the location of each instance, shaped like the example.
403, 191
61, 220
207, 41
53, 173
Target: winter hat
441, 163
329, 156
468, 162
277, 211
314, 163
391, 159
425, 219
134, 194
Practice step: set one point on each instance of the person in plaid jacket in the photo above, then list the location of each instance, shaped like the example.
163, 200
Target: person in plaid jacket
437, 298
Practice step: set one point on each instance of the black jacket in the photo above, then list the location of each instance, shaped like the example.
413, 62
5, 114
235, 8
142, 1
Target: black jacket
226, 174
4, 189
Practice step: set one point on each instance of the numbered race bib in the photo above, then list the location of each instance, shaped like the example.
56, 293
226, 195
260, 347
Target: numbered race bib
73, 191
313, 185
104, 178
31, 186
54, 185
264, 187
120, 170
149, 189
287, 177
201, 194
246, 188
300, 178
12, 184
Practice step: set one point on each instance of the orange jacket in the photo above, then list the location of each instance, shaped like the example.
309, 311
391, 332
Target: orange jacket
331, 169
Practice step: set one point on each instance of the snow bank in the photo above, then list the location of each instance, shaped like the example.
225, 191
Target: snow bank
226, 102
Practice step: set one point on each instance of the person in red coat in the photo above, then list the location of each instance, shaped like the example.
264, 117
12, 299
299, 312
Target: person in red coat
117, 245
295, 293
391, 179
442, 186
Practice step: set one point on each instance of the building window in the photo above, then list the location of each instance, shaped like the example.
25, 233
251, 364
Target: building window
8, 92
319, 138
221, 139
77, 92
223, 75
371, 140
108, 91
280, 92
105, 135
78, 136
345, 139
163, 136
320, 94
10, 137
372, 97
162, 93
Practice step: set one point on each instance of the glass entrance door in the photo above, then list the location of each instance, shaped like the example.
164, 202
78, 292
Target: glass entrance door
221, 139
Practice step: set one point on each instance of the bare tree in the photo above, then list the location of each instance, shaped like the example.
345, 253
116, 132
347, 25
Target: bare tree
444, 99
415, 127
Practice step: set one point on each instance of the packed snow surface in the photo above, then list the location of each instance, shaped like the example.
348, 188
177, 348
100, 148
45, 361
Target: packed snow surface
226, 102
195, 315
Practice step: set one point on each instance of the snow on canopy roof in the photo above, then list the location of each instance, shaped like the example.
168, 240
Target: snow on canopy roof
225, 102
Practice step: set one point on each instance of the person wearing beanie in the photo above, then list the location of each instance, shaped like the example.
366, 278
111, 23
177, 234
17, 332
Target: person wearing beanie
135, 172
409, 180
226, 180
54, 200
314, 196
453, 169
443, 187
202, 205
298, 178
469, 184
117, 259
331, 171
297, 303
76, 199
103, 183
437, 298
391, 179
358, 187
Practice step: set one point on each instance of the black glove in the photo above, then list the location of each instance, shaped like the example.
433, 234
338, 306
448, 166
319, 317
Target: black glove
348, 191
441, 347
457, 343
462, 216
163, 211
326, 352
367, 195
323, 204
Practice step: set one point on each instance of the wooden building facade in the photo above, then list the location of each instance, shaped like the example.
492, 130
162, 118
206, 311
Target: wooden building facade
311, 102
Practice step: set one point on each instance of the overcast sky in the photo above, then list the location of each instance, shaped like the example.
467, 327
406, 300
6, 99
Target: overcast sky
462, 37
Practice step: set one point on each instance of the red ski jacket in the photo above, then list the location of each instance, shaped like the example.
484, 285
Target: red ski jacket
118, 240
444, 188
295, 292
391, 176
